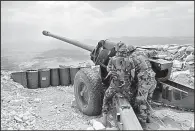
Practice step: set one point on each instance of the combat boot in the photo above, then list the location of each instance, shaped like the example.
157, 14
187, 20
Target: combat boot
148, 120
143, 124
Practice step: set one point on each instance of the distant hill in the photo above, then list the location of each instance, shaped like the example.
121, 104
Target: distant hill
10, 59
66, 53
8, 64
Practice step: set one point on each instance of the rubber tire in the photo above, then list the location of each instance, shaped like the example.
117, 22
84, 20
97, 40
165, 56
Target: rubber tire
92, 80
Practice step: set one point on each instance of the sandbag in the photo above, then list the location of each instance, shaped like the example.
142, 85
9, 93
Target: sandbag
173, 51
174, 74
189, 50
165, 47
177, 64
182, 49
189, 58
174, 47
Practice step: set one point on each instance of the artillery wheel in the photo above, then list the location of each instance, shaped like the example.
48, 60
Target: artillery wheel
88, 91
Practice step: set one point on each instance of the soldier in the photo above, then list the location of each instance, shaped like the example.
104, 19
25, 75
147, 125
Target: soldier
145, 82
119, 67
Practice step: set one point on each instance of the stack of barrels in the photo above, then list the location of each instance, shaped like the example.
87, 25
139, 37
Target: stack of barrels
42, 78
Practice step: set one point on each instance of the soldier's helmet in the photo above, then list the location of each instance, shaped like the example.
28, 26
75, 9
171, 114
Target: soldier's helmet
189, 50
130, 48
121, 49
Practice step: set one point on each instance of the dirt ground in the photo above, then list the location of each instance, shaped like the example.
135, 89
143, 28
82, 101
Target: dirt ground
50, 109
43, 109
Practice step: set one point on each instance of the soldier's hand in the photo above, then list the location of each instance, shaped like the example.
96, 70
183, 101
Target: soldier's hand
119, 90
113, 73
140, 99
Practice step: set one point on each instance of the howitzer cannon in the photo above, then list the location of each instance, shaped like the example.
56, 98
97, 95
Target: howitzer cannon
105, 49
90, 84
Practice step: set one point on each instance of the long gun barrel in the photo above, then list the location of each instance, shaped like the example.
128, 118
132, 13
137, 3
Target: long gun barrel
73, 42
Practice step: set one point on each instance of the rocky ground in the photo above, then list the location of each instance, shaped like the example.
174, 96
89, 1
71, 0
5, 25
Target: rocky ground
53, 108
47, 108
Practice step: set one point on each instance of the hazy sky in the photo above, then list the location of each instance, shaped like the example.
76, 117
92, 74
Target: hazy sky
22, 22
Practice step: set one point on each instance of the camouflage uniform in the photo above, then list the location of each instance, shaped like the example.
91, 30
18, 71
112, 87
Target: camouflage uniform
120, 66
146, 83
